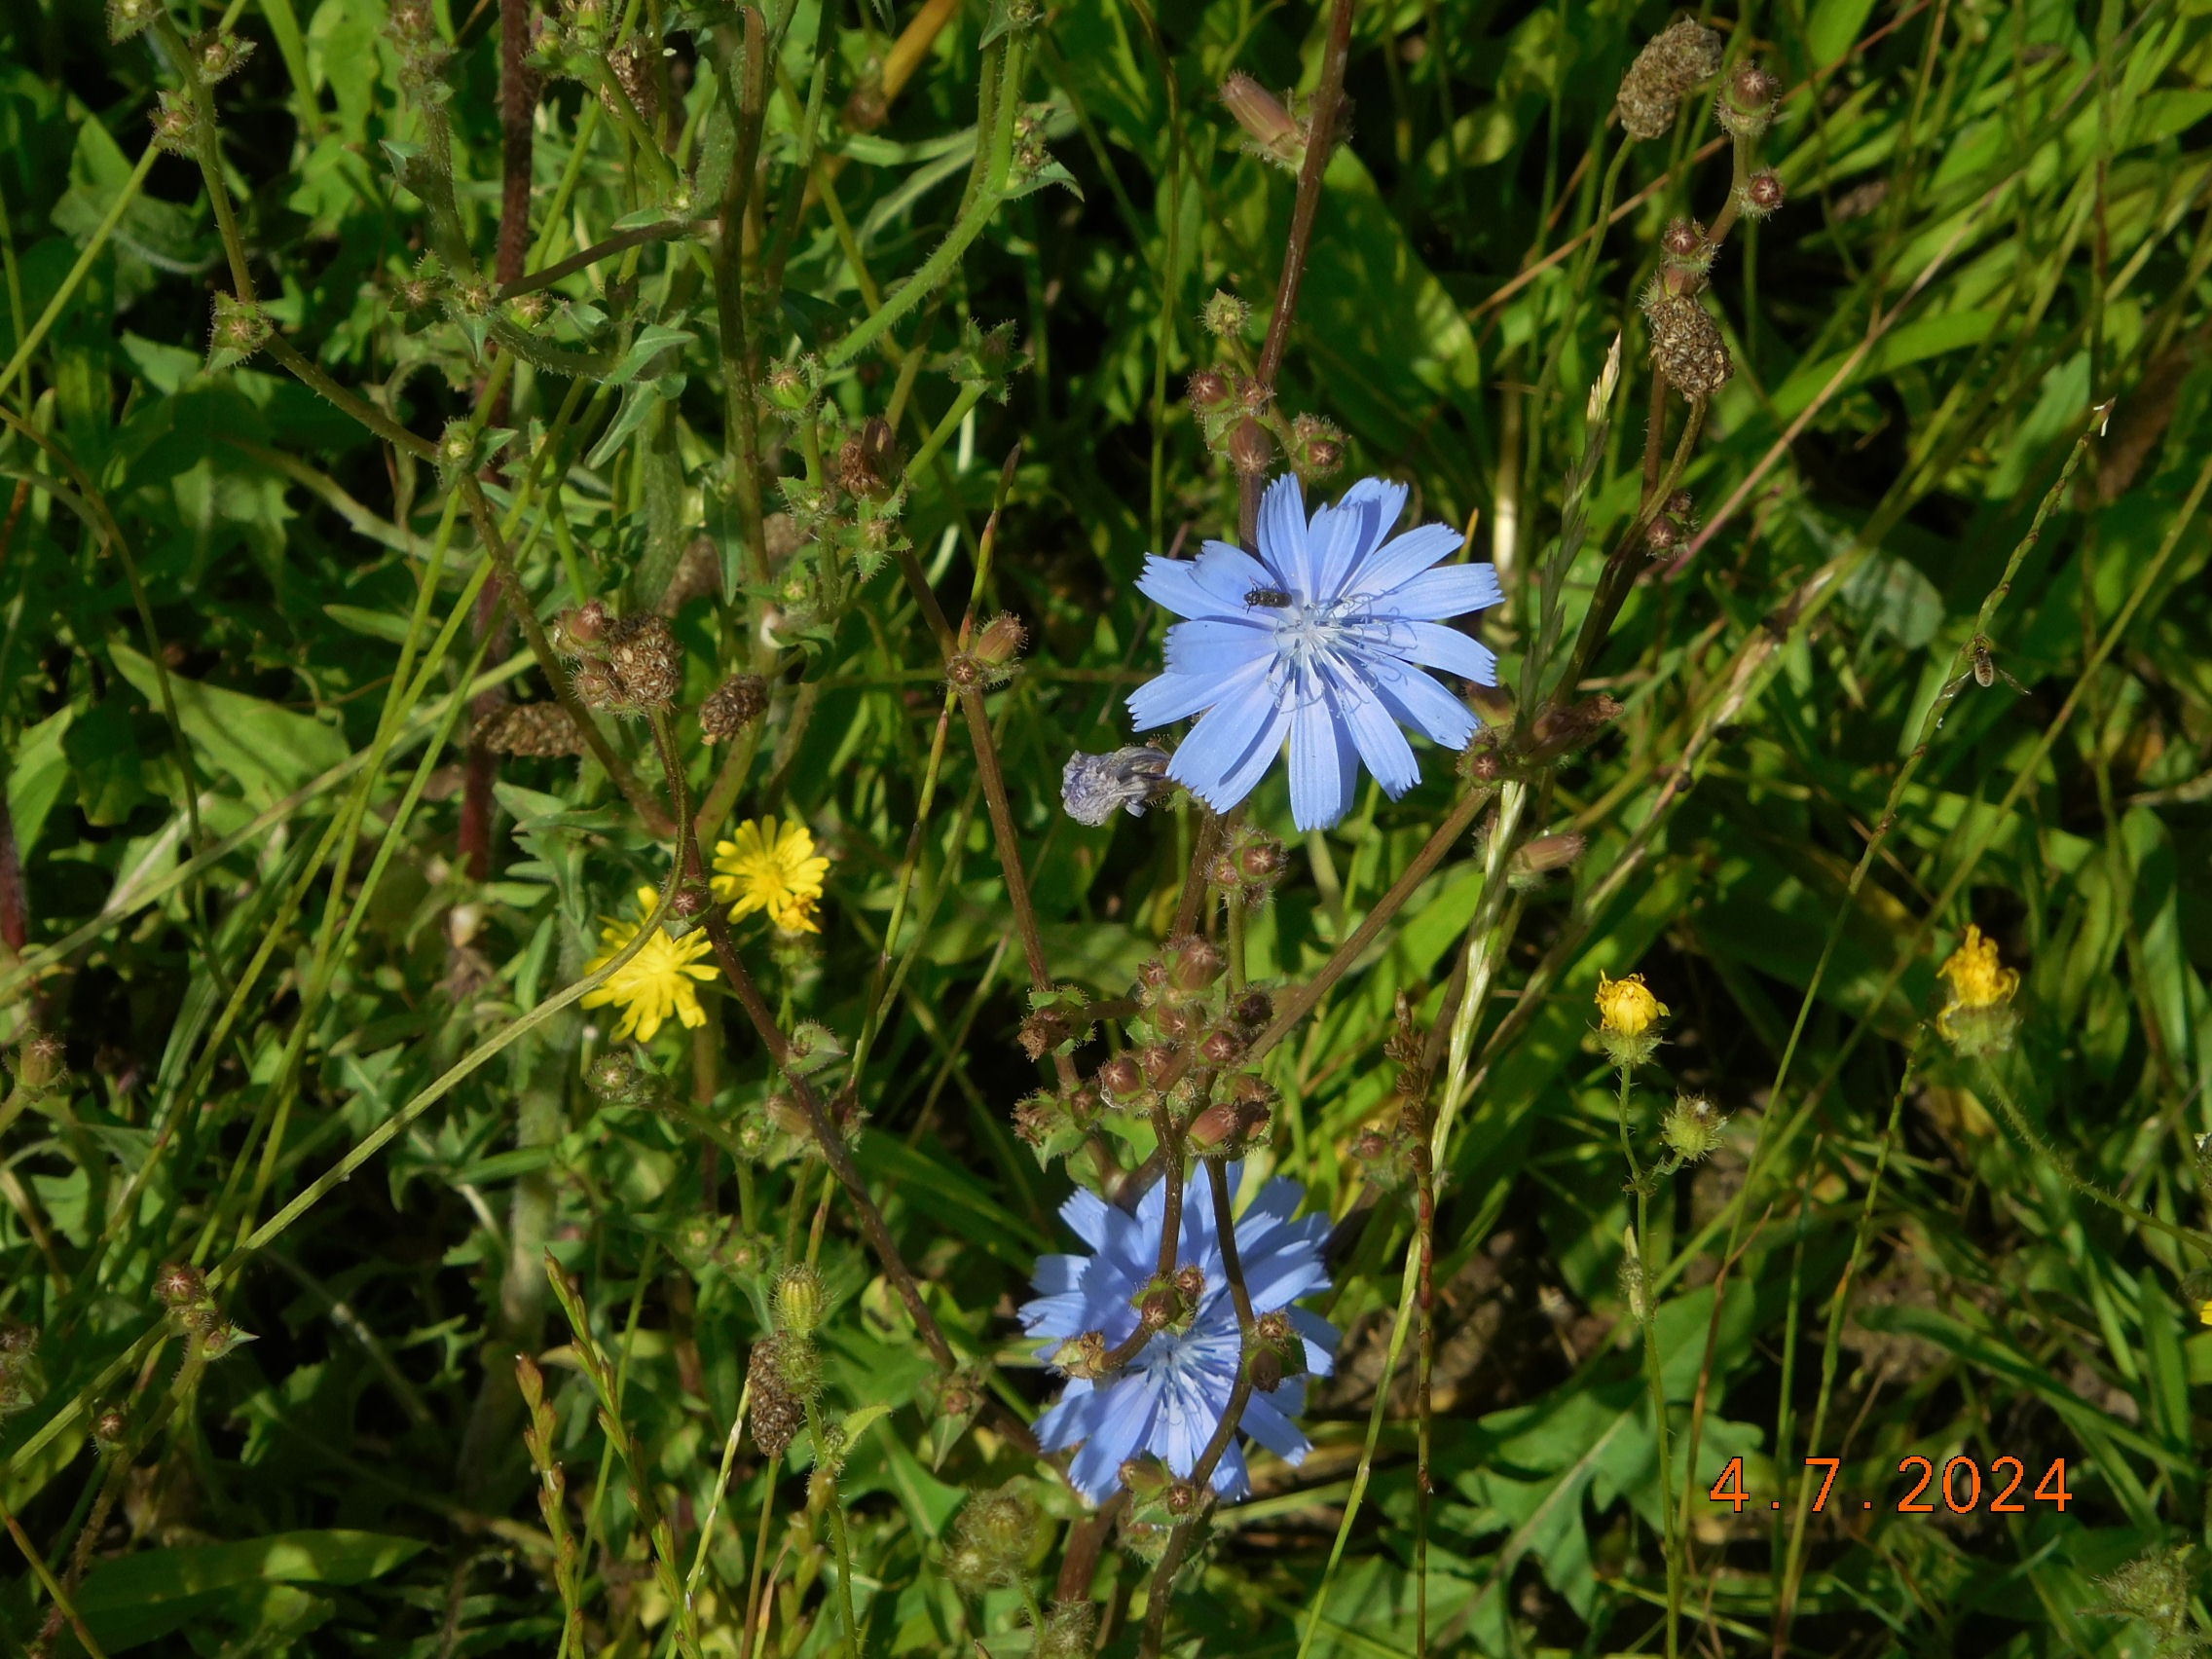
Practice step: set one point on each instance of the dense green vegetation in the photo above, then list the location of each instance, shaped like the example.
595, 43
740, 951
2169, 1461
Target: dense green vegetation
462, 465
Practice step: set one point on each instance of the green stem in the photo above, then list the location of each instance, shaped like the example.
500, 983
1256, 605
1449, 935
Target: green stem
973, 216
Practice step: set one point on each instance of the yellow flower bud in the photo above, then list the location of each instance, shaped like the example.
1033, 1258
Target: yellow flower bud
1626, 1007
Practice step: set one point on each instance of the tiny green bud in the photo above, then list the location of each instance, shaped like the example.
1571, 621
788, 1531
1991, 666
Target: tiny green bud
1225, 317
40, 1062
1693, 1128
801, 1300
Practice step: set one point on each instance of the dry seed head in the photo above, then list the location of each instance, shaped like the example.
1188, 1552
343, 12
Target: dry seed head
867, 463
734, 705
1083, 1356
533, 730
1675, 61
778, 1412
1267, 1371
644, 662
1686, 347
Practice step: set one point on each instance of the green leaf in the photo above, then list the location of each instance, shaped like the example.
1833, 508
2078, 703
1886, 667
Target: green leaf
267, 750
102, 748
651, 340
36, 774
144, 1597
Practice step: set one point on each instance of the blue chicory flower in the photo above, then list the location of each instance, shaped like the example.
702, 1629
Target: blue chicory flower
1320, 639
1169, 1399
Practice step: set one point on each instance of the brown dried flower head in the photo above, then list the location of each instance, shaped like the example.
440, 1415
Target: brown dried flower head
1671, 66
734, 705
644, 666
535, 730
1686, 347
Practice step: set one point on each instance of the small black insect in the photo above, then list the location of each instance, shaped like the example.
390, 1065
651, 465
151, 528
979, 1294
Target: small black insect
1274, 599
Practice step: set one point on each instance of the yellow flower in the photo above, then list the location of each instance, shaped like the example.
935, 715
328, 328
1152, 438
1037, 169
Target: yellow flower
2204, 1314
656, 981
1978, 1019
1626, 1007
771, 868
1977, 979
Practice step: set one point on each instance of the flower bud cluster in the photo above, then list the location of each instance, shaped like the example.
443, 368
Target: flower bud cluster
1160, 1500
1744, 108
1058, 1019
993, 1538
128, 18
846, 517
220, 55
1251, 864
1070, 1630
1395, 1149
1674, 524
193, 1314
176, 124
1316, 447
239, 329
991, 656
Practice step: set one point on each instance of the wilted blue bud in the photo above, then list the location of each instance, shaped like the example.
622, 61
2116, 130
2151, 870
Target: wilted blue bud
1093, 785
